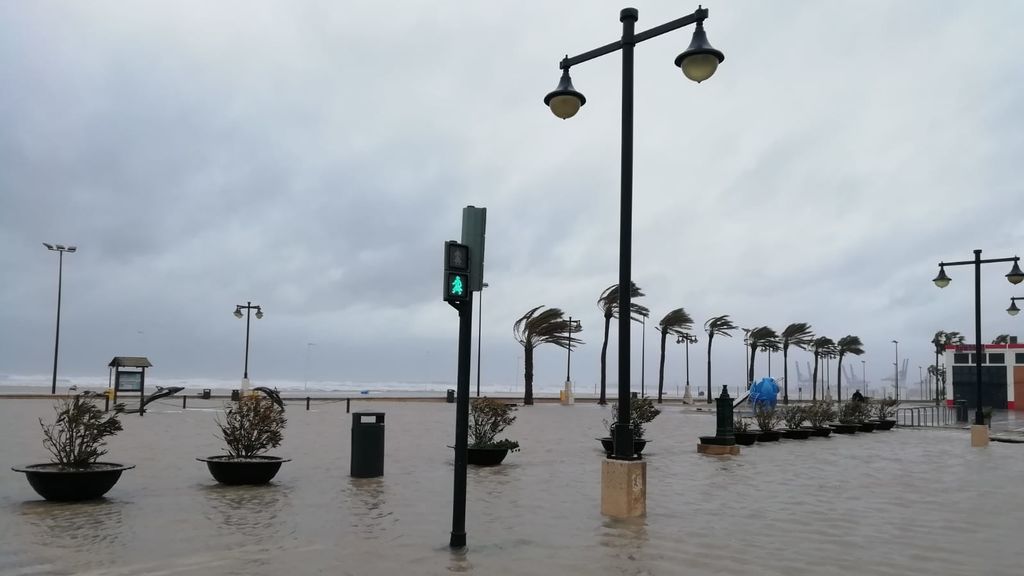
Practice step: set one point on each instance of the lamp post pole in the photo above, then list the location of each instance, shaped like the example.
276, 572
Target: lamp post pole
643, 354
479, 337
896, 373
686, 340
60, 249
1015, 276
699, 61
864, 376
248, 307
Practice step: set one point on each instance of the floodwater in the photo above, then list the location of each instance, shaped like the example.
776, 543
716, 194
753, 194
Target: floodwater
888, 503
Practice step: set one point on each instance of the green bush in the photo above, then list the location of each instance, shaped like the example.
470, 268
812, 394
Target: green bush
641, 411
487, 419
252, 427
77, 438
820, 413
767, 418
885, 409
794, 416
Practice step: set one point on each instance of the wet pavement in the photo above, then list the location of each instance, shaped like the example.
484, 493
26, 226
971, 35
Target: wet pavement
887, 503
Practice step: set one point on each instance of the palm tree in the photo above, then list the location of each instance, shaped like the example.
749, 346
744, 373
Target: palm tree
760, 338
608, 302
940, 341
538, 327
677, 323
1001, 339
846, 345
717, 325
798, 334
821, 347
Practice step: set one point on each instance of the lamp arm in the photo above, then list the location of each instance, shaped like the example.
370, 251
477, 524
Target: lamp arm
698, 16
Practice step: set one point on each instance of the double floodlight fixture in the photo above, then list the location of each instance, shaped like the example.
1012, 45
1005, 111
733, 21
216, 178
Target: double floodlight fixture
698, 62
60, 247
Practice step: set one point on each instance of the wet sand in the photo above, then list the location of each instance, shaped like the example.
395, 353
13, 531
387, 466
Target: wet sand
887, 503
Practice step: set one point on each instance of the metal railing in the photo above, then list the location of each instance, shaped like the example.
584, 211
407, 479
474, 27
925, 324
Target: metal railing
932, 416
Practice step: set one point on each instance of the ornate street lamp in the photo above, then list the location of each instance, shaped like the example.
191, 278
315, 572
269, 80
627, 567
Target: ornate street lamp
248, 307
698, 63
1014, 276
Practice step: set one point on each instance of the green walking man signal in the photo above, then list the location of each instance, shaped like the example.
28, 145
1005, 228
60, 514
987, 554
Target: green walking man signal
456, 272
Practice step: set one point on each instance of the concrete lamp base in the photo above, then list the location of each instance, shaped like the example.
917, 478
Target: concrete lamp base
623, 488
979, 435
716, 450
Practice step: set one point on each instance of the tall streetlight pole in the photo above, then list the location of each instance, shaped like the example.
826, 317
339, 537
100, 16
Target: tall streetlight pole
60, 249
896, 374
687, 339
643, 354
248, 307
864, 376
698, 62
479, 337
1014, 276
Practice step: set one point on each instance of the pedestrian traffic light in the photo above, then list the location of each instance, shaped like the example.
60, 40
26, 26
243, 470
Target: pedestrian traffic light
456, 272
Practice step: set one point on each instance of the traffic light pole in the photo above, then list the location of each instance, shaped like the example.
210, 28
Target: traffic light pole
465, 308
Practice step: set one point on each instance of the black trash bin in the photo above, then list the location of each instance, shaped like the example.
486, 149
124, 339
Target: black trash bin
450, 397
234, 395
367, 444
206, 393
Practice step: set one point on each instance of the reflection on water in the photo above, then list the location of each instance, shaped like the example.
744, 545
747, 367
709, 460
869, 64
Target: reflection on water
368, 513
251, 511
75, 525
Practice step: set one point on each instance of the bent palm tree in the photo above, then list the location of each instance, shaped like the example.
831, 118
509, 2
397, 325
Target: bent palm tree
721, 326
846, 345
760, 338
821, 347
940, 341
538, 327
608, 302
798, 334
677, 323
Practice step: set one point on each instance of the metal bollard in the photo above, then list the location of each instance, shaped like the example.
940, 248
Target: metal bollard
348, 405
183, 400
307, 403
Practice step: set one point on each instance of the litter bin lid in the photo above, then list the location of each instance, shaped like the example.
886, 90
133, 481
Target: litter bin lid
358, 418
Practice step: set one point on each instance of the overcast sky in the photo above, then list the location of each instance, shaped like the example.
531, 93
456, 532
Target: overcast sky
312, 157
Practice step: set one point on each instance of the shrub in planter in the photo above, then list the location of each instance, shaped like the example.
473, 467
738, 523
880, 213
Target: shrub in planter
794, 417
250, 428
642, 411
76, 441
744, 435
850, 416
487, 419
819, 414
884, 411
768, 420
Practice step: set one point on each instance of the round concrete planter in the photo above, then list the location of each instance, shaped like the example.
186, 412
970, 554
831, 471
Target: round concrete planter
746, 438
769, 436
868, 426
796, 433
485, 456
53, 482
243, 471
608, 444
823, 432
845, 428
884, 424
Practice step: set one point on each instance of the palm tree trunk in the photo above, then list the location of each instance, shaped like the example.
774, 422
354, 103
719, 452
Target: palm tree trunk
785, 375
602, 400
814, 380
710, 338
661, 366
839, 380
528, 376
750, 374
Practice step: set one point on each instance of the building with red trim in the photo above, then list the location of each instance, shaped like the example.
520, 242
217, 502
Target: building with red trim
1002, 375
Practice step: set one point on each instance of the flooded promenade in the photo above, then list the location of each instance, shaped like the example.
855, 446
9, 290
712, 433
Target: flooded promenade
887, 503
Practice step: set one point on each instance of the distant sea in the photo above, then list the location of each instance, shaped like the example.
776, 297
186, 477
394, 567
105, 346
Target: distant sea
291, 387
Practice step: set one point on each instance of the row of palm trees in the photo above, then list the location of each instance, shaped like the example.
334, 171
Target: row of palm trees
549, 326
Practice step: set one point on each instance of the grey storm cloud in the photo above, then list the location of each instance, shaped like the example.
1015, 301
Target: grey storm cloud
313, 157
